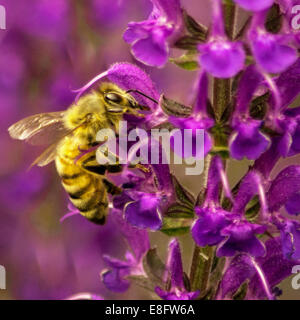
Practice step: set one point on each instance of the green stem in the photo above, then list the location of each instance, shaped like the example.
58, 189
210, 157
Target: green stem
222, 87
203, 257
201, 267
229, 13
221, 96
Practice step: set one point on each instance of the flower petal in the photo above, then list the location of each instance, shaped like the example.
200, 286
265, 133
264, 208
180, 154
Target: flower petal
114, 282
248, 84
241, 238
153, 52
221, 58
290, 237
207, 229
292, 206
285, 186
247, 141
254, 5
271, 55
174, 264
144, 213
171, 9
165, 295
275, 267
250, 186
273, 264
288, 83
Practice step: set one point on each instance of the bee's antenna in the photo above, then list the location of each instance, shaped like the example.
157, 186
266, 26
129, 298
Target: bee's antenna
142, 94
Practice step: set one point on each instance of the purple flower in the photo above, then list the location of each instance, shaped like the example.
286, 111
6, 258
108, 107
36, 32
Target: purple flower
288, 83
144, 213
283, 120
246, 139
235, 232
275, 268
284, 191
292, 119
284, 188
254, 5
115, 277
242, 238
222, 58
270, 51
177, 290
272, 55
212, 218
207, 229
290, 238
150, 39
292, 206
198, 120
272, 267
145, 199
219, 56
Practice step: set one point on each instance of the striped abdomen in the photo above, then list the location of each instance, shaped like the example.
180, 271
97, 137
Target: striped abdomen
87, 192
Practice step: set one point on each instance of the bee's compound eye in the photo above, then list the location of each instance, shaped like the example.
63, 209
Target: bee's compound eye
113, 97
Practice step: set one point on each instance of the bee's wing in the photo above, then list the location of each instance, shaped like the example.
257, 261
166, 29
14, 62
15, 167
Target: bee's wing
46, 157
40, 129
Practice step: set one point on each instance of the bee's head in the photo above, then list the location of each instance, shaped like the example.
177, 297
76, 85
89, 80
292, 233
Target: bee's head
119, 102
103, 107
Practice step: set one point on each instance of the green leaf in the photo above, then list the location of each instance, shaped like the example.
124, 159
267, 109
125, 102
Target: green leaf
259, 105
201, 268
178, 210
154, 267
186, 65
210, 110
186, 282
241, 292
176, 227
187, 43
274, 19
252, 208
194, 28
141, 281
188, 61
182, 194
216, 274
200, 197
227, 112
173, 108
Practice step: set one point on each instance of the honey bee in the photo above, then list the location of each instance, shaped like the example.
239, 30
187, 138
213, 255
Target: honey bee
69, 133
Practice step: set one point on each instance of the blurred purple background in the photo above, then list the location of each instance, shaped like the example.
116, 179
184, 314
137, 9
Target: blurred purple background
49, 48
